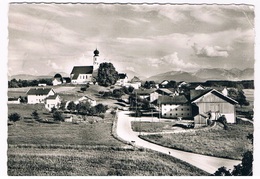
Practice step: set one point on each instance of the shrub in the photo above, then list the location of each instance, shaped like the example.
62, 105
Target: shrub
58, 116
14, 117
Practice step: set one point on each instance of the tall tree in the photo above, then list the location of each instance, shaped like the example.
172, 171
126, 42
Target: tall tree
107, 74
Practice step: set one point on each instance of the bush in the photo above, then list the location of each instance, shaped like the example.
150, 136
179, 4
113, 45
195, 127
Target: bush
14, 117
58, 116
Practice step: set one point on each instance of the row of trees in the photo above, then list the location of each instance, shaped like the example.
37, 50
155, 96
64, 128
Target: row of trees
84, 108
14, 83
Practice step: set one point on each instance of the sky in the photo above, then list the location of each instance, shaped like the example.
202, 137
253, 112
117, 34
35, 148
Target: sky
146, 39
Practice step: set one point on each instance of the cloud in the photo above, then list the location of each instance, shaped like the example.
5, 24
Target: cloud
172, 61
53, 65
210, 51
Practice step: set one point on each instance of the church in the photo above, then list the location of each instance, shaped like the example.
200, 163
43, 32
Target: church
84, 74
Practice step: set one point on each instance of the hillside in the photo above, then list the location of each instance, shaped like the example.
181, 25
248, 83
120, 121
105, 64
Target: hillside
174, 75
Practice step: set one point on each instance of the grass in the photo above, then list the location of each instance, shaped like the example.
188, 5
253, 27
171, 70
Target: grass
92, 162
151, 126
231, 143
61, 134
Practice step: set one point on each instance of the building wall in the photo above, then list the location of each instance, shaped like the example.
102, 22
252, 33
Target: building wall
154, 96
215, 104
14, 102
174, 111
56, 82
83, 79
50, 103
34, 99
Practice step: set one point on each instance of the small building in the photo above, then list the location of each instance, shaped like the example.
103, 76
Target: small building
52, 101
42, 84
163, 84
122, 79
38, 95
90, 100
57, 79
81, 74
14, 101
144, 93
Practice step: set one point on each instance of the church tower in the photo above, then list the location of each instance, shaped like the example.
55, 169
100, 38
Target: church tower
95, 60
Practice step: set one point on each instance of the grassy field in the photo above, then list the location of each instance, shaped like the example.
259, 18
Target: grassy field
97, 162
151, 126
231, 143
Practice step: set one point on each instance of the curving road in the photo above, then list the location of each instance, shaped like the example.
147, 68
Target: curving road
206, 163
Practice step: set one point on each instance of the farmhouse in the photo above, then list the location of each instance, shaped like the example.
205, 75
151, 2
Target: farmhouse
57, 79
199, 105
174, 107
90, 100
38, 95
52, 101
122, 79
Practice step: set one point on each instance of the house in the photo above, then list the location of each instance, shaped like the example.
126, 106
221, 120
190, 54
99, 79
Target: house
144, 93
52, 101
38, 95
163, 84
81, 74
90, 100
57, 79
175, 107
198, 106
122, 79
42, 84
14, 101
161, 92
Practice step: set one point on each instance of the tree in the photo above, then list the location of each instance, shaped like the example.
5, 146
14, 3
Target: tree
83, 107
100, 108
58, 116
35, 115
107, 74
14, 117
239, 96
71, 106
118, 93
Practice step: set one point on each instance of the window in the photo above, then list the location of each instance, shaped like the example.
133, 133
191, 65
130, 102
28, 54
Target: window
170, 109
182, 114
176, 109
182, 109
86, 76
170, 114
188, 109
165, 114
188, 114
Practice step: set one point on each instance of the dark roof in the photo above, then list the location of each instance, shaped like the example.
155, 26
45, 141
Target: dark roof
38, 91
13, 99
57, 75
144, 91
52, 96
196, 94
82, 70
122, 75
172, 100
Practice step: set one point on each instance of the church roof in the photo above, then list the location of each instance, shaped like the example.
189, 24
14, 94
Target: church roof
82, 70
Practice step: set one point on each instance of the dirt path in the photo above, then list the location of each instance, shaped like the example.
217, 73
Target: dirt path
206, 163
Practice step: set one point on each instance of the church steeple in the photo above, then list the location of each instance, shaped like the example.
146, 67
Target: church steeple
95, 59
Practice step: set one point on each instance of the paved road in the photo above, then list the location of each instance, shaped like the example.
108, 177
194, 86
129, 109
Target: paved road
206, 163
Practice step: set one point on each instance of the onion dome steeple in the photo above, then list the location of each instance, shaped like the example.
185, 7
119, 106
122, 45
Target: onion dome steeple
96, 52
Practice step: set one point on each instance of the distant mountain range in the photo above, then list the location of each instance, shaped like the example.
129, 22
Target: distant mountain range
202, 75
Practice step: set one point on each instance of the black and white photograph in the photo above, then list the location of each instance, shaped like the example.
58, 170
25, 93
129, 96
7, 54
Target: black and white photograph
130, 89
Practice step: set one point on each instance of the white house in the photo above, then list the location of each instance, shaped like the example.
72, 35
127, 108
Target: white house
38, 95
52, 101
122, 79
14, 101
91, 101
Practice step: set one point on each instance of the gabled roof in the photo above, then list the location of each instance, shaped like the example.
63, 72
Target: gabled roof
215, 92
165, 90
122, 75
82, 70
172, 99
135, 79
52, 96
195, 94
38, 91
164, 82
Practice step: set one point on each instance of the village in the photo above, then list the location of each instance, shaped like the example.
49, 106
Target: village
151, 108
